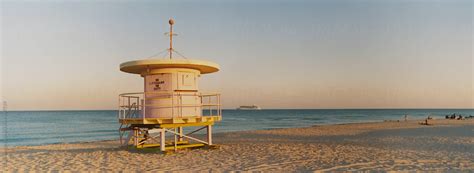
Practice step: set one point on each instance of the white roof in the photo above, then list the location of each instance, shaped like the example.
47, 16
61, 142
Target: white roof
139, 66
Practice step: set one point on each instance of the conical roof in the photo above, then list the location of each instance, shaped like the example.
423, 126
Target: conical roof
140, 66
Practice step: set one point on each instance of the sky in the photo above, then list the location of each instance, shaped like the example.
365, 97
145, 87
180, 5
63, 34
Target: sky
321, 54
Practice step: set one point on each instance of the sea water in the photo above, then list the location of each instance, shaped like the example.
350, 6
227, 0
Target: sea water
46, 127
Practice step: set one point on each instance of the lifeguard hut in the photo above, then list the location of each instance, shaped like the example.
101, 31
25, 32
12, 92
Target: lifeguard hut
171, 101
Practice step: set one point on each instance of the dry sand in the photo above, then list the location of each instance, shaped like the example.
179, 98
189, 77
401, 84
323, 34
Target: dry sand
448, 145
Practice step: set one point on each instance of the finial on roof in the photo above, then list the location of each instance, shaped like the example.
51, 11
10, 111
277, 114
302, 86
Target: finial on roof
171, 22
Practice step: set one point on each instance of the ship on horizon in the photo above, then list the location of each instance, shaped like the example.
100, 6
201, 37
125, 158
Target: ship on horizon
252, 107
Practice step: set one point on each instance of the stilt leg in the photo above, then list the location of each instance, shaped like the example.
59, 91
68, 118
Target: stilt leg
180, 131
162, 140
175, 141
135, 134
209, 134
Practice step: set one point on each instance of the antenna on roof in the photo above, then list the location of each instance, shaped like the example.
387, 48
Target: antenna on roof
171, 22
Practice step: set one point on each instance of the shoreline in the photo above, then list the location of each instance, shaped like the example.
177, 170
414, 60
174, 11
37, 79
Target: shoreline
385, 146
104, 126
284, 128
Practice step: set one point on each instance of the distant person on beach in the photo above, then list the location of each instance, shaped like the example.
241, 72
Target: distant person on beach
453, 116
406, 117
425, 122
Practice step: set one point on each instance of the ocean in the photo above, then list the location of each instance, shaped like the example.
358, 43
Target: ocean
19, 128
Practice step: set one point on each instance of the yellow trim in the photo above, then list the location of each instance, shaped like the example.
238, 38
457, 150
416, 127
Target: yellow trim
186, 125
172, 147
184, 146
158, 145
183, 120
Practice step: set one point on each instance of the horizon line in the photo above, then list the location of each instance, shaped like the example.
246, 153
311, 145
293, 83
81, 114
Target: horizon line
46, 110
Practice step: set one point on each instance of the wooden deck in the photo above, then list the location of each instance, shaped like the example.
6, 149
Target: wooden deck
182, 121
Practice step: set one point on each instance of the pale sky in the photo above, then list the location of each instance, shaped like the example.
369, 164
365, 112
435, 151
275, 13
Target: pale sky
276, 54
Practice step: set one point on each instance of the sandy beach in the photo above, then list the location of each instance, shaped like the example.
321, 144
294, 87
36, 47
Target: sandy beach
447, 145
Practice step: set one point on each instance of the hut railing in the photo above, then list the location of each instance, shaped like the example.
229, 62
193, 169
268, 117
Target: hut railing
135, 105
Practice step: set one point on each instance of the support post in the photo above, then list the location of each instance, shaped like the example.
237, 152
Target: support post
175, 141
209, 134
135, 134
180, 131
162, 139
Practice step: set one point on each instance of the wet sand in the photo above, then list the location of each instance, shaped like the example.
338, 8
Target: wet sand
447, 145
